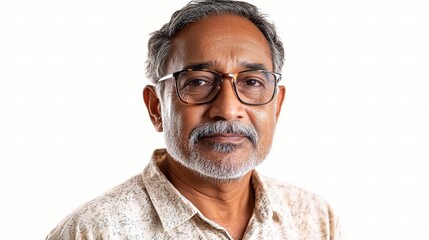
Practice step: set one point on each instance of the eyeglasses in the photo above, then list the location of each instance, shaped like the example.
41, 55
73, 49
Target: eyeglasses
252, 87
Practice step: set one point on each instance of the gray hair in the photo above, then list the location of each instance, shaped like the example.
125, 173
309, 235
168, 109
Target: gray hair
159, 45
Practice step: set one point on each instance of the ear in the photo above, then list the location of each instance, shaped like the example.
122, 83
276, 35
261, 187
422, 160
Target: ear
280, 98
153, 106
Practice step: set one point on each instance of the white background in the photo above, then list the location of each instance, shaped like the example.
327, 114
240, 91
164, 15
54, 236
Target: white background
354, 127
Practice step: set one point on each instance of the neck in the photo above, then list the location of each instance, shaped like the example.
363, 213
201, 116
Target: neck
228, 203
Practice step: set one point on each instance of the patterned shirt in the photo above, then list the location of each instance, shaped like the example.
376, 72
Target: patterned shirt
148, 206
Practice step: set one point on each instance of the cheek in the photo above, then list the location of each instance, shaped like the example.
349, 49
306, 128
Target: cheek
180, 119
264, 121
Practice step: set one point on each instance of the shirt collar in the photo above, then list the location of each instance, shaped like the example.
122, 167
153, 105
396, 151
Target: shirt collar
173, 208
268, 202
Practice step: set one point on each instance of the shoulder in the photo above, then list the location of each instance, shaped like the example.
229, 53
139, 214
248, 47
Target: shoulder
119, 208
308, 210
292, 194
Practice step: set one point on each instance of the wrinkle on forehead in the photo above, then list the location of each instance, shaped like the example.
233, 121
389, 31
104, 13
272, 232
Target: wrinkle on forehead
212, 65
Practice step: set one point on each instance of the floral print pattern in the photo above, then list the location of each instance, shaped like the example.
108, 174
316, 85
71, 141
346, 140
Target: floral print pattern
148, 206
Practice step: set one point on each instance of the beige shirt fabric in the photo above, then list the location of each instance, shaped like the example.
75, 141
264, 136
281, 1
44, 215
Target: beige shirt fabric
148, 206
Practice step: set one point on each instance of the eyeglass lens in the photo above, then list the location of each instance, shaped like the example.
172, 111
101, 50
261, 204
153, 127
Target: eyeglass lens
252, 87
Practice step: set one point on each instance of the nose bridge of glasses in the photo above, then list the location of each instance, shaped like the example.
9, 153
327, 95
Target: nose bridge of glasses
232, 76
225, 76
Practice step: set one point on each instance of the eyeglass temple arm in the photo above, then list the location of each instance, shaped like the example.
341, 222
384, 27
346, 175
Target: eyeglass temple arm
166, 77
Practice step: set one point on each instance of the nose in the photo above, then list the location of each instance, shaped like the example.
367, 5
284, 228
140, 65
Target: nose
226, 106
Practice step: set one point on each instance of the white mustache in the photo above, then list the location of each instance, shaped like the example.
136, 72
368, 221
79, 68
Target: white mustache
222, 127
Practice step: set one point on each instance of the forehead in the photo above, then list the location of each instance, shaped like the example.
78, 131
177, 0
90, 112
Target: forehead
226, 41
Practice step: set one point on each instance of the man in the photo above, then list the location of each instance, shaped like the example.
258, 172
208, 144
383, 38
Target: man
215, 68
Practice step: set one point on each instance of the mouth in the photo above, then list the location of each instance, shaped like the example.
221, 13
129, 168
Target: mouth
232, 138
222, 133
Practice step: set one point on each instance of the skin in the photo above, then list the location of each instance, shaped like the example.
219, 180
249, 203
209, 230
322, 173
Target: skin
226, 44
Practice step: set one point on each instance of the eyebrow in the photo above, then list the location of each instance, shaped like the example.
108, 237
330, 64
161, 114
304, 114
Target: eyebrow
211, 64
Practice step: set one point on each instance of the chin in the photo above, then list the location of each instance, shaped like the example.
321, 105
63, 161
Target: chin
223, 179
222, 166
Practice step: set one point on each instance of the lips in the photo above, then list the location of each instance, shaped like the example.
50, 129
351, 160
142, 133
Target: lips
225, 138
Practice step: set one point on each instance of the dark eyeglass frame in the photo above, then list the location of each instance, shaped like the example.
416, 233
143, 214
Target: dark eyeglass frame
221, 77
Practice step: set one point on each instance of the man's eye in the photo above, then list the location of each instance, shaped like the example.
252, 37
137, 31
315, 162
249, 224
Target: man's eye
196, 82
253, 82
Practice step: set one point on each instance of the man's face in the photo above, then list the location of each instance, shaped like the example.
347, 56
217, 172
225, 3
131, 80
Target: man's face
238, 136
